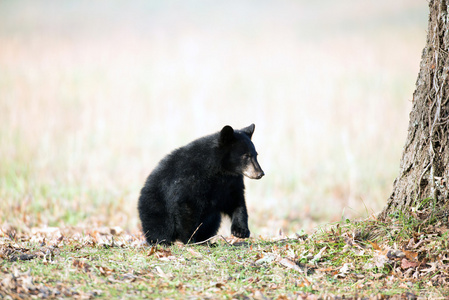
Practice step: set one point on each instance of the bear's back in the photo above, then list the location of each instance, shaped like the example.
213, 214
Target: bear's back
196, 158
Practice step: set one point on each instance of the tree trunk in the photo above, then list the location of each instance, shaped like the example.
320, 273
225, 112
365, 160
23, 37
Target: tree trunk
424, 168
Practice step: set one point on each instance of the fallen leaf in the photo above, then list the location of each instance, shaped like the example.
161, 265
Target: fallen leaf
59, 240
319, 254
433, 268
266, 259
326, 269
152, 250
160, 272
375, 246
161, 253
380, 260
194, 253
129, 277
290, 264
81, 265
259, 296
44, 230
105, 271
405, 264
344, 270
8, 282
410, 255
346, 267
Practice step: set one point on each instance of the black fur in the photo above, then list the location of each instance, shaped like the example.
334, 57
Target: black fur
185, 195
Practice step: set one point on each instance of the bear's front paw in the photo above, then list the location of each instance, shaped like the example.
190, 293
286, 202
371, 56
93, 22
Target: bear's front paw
240, 232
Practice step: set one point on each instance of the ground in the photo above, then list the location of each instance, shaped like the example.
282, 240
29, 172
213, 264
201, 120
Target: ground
405, 259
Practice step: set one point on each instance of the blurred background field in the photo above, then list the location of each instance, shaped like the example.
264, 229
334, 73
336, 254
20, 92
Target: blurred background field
94, 93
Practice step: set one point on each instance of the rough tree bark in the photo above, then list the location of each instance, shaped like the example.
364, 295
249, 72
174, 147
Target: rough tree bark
424, 168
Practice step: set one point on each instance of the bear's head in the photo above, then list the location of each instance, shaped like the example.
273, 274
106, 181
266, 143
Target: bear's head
240, 156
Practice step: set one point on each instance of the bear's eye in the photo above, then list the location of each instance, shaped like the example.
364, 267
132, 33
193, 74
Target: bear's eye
246, 156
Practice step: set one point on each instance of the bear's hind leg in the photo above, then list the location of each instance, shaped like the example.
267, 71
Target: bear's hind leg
156, 229
156, 235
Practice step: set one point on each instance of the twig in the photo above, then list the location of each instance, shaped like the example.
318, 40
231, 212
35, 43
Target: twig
194, 232
205, 241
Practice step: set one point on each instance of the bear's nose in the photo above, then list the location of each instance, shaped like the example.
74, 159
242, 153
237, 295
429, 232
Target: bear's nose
260, 175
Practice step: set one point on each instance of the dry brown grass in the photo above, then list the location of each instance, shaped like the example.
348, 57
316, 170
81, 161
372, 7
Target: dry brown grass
93, 95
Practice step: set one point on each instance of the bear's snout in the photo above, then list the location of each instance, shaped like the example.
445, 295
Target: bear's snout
254, 175
253, 170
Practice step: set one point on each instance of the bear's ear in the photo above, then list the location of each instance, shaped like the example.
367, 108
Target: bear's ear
249, 130
226, 135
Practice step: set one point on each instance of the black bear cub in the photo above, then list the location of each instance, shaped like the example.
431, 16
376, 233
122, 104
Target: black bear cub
185, 195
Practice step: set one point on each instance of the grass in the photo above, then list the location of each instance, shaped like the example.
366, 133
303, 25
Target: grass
346, 259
